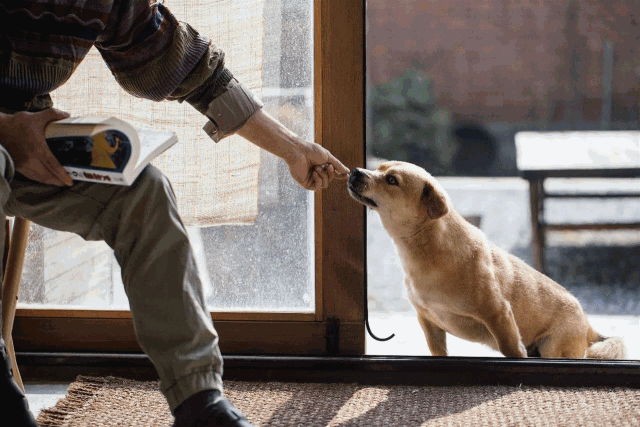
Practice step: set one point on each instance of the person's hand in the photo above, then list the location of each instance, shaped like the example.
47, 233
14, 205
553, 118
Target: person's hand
310, 165
315, 167
22, 135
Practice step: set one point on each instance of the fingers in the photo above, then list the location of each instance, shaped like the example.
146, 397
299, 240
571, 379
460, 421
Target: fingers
56, 169
315, 167
340, 170
331, 171
56, 175
49, 115
47, 170
53, 114
321, 177
316, 181
50, 162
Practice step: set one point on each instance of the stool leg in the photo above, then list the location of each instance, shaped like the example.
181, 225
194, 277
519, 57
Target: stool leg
11, 285
7, 240
8, 343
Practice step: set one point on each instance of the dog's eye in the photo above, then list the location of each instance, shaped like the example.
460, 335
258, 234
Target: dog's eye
391, 180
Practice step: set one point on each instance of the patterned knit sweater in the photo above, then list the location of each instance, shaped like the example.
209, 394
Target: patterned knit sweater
150, 53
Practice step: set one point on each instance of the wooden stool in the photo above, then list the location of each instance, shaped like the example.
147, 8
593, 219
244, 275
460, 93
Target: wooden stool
15, 249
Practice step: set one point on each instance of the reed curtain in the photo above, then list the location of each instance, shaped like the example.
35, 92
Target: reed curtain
214, 183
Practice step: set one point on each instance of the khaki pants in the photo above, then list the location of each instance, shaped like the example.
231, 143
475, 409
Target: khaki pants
142, 225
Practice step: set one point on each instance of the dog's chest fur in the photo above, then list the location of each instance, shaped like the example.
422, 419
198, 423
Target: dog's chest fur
428, 292
434, 290
444, 309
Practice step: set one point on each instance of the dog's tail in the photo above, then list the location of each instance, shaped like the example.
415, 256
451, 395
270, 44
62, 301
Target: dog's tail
605, 348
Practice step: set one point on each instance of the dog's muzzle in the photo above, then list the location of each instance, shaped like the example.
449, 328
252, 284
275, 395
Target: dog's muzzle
356, 184
357, 178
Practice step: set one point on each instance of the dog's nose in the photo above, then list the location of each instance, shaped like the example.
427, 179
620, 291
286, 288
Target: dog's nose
356, 174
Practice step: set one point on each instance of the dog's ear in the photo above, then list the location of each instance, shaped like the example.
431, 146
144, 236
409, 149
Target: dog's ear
435, 202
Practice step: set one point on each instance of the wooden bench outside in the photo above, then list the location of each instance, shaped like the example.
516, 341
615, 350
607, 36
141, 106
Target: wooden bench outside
574, 154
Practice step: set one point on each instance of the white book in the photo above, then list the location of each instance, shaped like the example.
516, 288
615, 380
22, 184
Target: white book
105, 149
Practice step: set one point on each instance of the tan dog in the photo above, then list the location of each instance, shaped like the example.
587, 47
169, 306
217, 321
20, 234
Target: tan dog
462, 284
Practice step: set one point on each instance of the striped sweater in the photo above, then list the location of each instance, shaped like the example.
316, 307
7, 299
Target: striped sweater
150, 53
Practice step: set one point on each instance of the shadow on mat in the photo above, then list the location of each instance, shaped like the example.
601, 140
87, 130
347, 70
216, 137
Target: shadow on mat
381, 405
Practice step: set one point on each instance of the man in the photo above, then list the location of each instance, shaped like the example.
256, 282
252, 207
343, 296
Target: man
153, 56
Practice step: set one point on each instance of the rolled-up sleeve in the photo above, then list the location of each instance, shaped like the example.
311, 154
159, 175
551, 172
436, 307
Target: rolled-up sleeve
154, 56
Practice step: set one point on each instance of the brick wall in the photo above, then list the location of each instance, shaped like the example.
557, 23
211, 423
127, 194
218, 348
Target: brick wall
502, 60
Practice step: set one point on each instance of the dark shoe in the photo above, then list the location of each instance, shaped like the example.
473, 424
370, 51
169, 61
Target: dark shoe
199, 411
224, 414
14, 407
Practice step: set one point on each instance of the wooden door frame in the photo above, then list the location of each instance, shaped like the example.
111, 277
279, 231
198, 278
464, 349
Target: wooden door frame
337, 326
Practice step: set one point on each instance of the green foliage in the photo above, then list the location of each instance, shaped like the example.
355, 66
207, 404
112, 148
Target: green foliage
407, 125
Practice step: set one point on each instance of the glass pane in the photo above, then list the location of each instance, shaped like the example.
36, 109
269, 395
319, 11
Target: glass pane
266, 266
449, 86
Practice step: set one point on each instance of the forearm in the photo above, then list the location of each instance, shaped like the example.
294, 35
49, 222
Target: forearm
310, 165
267, 133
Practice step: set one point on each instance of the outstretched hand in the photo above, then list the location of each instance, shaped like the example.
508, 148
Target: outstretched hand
312, 166
22, 135
315, 167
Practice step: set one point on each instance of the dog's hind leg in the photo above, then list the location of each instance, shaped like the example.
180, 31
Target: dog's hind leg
436, 337
570, 339
564, 346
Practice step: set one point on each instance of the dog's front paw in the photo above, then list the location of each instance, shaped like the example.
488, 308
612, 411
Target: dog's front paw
523, 350
516, 352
